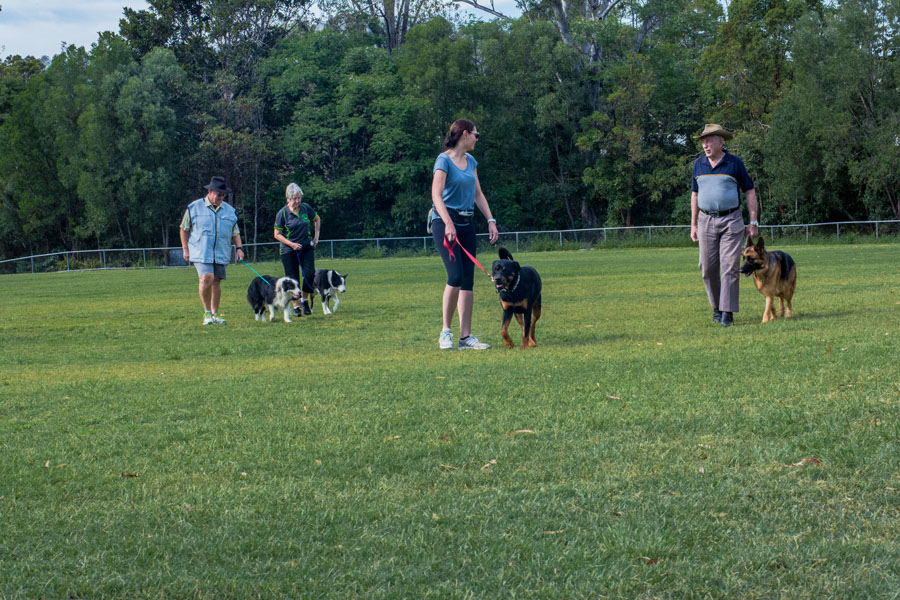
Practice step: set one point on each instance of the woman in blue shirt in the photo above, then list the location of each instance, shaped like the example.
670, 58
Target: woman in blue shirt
455, 191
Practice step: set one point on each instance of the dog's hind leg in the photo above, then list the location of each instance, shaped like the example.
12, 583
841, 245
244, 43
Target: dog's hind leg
521, 321
336, 301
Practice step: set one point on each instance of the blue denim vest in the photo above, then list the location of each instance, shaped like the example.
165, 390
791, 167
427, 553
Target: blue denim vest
210, 239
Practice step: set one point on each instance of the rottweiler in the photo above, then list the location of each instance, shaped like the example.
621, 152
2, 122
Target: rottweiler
774, 274
520, 294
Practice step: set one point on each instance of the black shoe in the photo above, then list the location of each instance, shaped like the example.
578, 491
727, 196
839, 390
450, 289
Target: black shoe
298, 311
306, 310
717, 315
727, 319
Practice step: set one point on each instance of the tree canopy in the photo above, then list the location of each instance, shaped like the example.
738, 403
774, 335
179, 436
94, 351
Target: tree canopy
587, 114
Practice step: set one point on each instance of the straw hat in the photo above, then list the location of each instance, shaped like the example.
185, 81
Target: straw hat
714, 129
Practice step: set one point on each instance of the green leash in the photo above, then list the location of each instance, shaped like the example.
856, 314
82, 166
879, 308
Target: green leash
255, 271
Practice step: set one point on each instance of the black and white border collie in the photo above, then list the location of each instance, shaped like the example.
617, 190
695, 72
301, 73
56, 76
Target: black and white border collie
328, 283
267, 292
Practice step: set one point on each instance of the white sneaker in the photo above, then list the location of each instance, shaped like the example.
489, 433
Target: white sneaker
472, 343
446, 340
209, 319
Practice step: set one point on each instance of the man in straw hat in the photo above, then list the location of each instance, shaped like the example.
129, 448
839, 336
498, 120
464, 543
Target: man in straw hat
717, 222
208, 230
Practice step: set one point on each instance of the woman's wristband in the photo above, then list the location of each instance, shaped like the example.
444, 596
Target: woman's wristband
494, 221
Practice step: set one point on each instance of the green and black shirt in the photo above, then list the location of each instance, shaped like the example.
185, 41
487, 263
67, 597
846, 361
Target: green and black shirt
295, 226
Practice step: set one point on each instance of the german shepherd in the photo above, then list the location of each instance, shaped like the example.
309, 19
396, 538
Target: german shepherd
774, 274
520, 294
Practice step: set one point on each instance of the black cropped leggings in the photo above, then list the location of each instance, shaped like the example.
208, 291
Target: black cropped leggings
461, 273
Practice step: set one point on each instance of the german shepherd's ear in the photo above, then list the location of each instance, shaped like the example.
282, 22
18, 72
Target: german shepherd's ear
504, 254
760, 245
749, 242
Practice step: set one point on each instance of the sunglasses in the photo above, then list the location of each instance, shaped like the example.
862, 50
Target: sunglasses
475, 134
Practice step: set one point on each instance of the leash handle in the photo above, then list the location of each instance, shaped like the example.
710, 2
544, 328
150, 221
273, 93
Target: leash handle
449, 248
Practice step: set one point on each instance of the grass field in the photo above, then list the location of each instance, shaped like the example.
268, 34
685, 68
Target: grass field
145, 456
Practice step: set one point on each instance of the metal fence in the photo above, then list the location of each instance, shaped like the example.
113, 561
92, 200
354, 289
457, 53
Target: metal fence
520, 241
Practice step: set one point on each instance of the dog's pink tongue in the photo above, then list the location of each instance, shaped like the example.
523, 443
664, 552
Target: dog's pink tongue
746, 274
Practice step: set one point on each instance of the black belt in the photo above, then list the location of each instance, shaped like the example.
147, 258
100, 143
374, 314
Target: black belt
721, 213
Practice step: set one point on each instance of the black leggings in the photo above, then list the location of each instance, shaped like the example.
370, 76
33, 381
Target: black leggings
461, 273
307, 260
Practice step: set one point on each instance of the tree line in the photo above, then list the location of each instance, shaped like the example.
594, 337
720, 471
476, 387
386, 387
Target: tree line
587, 113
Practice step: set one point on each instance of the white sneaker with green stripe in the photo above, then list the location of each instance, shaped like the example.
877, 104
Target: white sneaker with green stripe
208, 318
446, 340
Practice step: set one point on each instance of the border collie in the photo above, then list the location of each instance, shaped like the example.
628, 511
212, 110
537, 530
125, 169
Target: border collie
328, 283
267, 292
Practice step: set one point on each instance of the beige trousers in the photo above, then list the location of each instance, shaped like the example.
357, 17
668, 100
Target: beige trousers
720, 253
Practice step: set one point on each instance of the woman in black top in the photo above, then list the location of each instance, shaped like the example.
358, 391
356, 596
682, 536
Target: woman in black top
297, 251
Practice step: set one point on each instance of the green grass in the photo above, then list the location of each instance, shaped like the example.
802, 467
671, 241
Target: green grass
347, 457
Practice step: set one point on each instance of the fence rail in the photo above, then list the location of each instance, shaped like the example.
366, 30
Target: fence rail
646, 235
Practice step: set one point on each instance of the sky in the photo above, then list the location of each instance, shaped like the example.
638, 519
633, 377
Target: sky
41, 27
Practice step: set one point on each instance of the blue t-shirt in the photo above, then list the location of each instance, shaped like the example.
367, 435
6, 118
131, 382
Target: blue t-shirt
459, 189
717, 188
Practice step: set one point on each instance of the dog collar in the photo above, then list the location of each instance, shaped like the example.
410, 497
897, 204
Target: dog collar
513, 288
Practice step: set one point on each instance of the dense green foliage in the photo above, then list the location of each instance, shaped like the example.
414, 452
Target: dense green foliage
148, 457
587, 118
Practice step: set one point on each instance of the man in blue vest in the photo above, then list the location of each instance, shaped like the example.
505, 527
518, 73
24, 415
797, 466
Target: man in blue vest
208, 230
717, 222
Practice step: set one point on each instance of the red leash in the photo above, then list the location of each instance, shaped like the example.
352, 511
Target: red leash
449, 248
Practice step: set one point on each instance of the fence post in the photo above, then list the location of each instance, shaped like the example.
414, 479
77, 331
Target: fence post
103, 254
876, 231
560, 239
67, 262
377, 246
838, 225
32, 265
144, 252
517, 241
332, 249
807, 233
604, 235
649, 235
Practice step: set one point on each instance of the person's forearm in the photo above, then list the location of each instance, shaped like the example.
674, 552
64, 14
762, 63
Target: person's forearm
482, 203
185, 237
695, 209
752, 204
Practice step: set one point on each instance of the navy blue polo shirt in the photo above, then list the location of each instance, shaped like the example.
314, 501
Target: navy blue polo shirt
717, 188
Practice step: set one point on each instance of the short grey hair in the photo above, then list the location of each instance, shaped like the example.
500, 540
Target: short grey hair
292, 190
